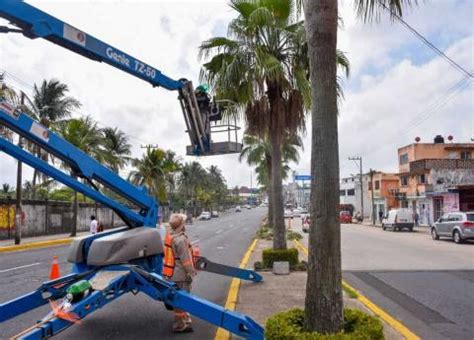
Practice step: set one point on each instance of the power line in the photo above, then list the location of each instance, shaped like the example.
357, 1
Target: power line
437, 104
426, 41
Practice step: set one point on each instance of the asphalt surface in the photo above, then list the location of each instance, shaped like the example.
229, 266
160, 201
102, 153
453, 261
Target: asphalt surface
427, 285
223, 240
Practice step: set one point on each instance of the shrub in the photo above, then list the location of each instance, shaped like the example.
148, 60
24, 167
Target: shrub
265, 232
357, 325
274, 255
293, 235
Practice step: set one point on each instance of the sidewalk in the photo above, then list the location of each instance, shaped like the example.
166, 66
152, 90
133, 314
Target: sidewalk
282, 292
38, 242
420, 229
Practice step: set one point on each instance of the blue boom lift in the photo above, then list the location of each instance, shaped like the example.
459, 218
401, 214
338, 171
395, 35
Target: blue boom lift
123, 260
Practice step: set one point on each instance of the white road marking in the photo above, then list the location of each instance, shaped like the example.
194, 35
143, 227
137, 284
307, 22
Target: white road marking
220, 247
20, 267
219, 231
194, 242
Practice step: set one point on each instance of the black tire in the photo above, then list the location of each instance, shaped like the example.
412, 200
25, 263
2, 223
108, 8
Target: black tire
394, 229
411, 229
457, 237
384, 227
434, 234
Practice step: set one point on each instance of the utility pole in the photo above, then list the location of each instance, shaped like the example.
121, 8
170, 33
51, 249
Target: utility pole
372, 172
19, 209
361, 184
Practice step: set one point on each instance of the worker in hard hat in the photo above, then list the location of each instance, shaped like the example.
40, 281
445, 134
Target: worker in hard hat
178, 266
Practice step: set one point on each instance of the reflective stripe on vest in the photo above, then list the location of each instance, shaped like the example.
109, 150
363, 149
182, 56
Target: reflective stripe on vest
169, 260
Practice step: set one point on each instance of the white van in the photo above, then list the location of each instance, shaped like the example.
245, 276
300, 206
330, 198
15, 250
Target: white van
397, 219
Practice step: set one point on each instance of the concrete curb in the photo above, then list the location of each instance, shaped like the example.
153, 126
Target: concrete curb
233, 294
394, 323
34, 245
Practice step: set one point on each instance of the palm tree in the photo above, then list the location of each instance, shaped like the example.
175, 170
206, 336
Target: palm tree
323, 305
116, 148
53, 106
85, 135
192, 177
153, 170
262, 66
257, 151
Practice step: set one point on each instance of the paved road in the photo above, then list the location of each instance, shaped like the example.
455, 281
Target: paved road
223, 240
426, 284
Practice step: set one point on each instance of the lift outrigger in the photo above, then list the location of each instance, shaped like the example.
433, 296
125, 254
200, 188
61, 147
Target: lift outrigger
123, 260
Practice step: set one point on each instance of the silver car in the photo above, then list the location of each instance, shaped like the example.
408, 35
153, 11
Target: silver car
456, 225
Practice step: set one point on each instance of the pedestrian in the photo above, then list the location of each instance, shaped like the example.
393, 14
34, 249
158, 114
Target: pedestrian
94, 225
178, 266
416, 218
380, 215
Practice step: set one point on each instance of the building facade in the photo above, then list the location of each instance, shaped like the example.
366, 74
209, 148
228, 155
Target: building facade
350, 194
381, 186
436, 178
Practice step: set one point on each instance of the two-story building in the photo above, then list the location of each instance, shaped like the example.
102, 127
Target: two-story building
435, 178
382, 185
350, 196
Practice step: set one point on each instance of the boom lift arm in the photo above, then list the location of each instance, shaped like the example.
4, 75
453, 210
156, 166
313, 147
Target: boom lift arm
35, 23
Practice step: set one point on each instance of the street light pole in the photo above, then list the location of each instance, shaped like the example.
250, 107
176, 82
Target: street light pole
372, 187
361, 184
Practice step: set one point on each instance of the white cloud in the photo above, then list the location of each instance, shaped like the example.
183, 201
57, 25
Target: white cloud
387, 88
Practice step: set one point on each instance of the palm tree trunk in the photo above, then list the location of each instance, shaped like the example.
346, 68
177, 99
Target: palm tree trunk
75, 213
270, 193
323, 305
279, 230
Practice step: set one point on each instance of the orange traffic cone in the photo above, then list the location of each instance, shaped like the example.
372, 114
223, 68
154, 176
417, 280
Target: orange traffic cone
54, 273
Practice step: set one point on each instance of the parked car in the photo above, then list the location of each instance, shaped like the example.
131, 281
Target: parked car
214, 213
398, 219
238, 209
288, 214
296, 212
345, 217
458, 226
205, 215
248, 206
306, 221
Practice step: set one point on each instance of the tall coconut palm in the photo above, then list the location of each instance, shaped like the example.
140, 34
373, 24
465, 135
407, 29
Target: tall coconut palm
192, 177
53, 106
116, 148
257, 151
323, 305
85, 135
153, 170
262, 66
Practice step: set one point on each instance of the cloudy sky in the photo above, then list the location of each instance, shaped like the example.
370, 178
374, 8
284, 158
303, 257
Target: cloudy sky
398, 88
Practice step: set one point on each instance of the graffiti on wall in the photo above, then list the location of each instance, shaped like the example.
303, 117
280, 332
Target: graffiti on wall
445, 179
7, 216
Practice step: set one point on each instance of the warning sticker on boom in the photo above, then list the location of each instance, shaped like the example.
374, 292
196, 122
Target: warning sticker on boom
40, 131
9, 109
74, 35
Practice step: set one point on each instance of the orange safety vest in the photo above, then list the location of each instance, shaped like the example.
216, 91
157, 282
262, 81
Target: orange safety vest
169, 261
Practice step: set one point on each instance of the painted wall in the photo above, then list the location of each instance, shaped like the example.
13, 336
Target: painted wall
52, 218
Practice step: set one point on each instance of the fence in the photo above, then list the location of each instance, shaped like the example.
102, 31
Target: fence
52, 217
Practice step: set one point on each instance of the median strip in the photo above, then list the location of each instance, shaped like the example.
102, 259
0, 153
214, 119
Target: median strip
394, 323
233, 294
34, 245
